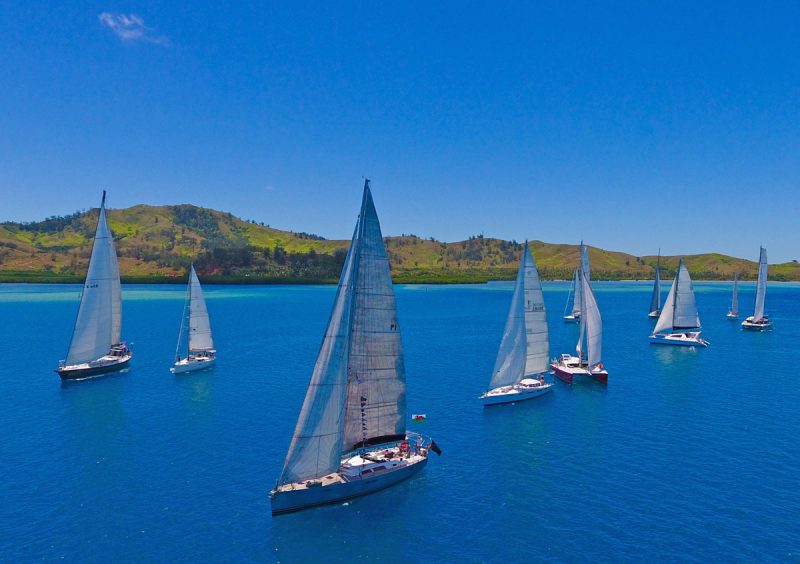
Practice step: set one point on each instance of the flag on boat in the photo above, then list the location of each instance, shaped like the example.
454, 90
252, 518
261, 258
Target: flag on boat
418, 417
435, 448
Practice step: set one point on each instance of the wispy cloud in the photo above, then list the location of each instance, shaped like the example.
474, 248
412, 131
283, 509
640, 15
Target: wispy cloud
131, 28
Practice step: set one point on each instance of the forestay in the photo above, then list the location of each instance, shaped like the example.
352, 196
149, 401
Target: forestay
199, 323
99, 321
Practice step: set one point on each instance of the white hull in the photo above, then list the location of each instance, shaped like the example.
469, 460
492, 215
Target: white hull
762, 324
654, 314
350, 481
515, 393
572, 318
732, 315
192, 365
688, 339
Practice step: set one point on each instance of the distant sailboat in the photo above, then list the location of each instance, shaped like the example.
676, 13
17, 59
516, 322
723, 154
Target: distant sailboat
200, 347
758, 321
679, 316
655, 300
96, 347
525, 346
351, 437
733, 312
575, 314
589, 361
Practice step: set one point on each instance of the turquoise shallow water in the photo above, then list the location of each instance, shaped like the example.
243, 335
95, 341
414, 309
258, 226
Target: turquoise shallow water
685, 455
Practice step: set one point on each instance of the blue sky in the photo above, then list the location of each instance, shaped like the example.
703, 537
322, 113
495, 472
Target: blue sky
631, 125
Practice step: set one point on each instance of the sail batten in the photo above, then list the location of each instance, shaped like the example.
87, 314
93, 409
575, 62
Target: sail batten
99, 321
761, 285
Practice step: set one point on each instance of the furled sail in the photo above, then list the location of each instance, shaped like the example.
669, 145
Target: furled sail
199, 324
99, 321
685, 315
593, 326
525, 345
761, 288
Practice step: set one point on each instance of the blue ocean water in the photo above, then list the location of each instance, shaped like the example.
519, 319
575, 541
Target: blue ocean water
685, 455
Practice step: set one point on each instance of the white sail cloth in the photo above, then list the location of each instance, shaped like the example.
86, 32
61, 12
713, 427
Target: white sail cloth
199, 323
591, 327
680, 308
357, 389
99, 321
655, 300
525, 345
761, 287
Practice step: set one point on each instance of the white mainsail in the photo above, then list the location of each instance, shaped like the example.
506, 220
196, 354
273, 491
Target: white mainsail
585, 268
199, 323
761, 288
655, 300
680, 308
591, 325
735, 296
99, 321
577, 302
357, 389
525, 346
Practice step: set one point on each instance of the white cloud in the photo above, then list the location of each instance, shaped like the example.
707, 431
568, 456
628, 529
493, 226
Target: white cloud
130, 27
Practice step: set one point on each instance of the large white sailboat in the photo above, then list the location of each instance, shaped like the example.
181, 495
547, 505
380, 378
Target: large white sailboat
758, 321
574, 315
200, 352
588, 362
96, 347
351, 437
655, 299
679, 322
733, 311
525, 346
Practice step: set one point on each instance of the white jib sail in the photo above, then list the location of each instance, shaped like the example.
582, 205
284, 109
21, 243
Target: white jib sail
316, 446
685, 315
199, 324
664, 322
577, 302
99, 320
594, 326
655, 300
761, 288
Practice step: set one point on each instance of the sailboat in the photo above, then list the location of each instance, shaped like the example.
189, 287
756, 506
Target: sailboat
201, 352
679, 316
589, 362
655, 300
96, 347
525, 345
758, 321
733, 312
575, 314
351, 437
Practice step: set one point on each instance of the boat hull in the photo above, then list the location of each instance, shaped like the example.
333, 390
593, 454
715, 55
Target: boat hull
183, 367
572, 318
570, 375
77, 373
514, 396
679, 340
654, 314
750, 325
732, 316
290, 501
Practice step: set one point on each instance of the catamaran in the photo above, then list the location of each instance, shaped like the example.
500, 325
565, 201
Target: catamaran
96, 347
733, 311
655, 300
200, 352
351, 437
679, 317
589, 361
758, 321
525, 346
574, 315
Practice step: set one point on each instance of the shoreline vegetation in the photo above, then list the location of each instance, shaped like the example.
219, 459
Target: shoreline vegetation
156, 245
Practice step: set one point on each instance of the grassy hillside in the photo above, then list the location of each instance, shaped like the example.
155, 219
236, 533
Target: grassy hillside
157, 244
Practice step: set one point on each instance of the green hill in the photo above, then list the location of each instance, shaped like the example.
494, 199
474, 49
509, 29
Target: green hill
157, 244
